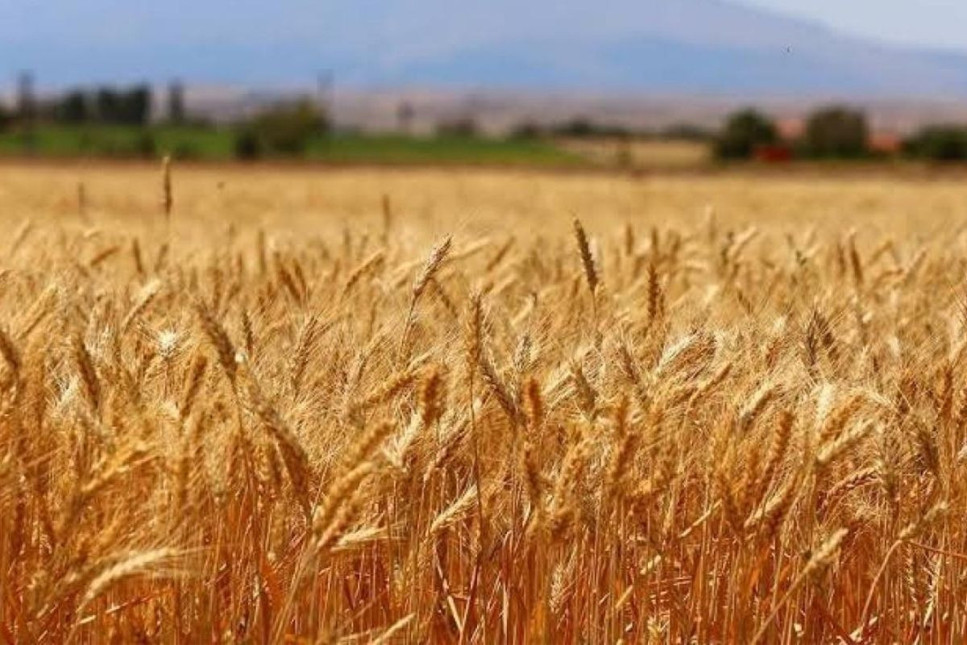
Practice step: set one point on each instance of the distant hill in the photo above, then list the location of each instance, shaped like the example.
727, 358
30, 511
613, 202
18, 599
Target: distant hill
701, 46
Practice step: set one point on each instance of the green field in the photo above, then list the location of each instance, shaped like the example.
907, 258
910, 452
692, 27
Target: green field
441, 149
118, 141
213, 144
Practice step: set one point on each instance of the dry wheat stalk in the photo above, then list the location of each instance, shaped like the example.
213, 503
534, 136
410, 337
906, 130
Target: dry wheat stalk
587, 260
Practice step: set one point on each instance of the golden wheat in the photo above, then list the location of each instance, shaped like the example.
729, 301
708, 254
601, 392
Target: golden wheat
752, 428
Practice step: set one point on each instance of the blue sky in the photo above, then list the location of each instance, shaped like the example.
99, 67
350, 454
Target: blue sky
925, 23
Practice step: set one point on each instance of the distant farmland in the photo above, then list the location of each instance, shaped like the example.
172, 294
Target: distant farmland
219, 144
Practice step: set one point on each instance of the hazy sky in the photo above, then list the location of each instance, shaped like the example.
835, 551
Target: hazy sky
368, 41
930, 23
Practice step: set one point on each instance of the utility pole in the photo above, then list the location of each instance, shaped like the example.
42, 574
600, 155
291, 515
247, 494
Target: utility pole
26, 108
404, 117
26, 103
176, 102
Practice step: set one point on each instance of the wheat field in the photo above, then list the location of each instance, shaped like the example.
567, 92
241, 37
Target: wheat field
380, 406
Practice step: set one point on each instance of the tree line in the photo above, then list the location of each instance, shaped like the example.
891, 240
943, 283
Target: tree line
833, 132
283, 128
287, 128
108, 105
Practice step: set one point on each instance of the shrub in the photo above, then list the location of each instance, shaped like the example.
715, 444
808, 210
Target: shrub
6, 118
247, 145
939, 143
744, 132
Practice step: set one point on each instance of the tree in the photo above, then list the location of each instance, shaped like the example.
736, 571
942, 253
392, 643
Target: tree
287, 129
744, 132
73, 108
125, 107
836, 132
939, 143
107, 102
136, 105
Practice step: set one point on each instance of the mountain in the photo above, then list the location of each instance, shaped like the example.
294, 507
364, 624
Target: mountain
696, 46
